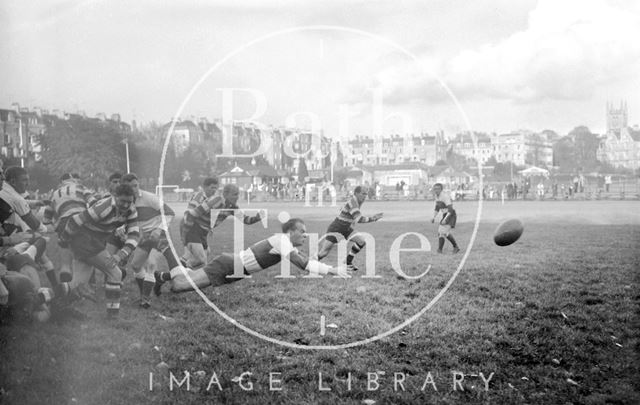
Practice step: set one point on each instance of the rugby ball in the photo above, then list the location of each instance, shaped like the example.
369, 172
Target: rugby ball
508, 232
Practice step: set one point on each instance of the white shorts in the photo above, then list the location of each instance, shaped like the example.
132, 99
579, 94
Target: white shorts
444, 230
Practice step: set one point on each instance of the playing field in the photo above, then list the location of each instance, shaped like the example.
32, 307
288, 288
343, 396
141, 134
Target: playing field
550, 319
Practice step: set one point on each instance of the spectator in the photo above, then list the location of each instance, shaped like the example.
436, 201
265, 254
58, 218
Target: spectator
540, 189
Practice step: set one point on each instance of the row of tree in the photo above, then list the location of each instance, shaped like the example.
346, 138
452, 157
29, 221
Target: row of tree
95, 150
577, 151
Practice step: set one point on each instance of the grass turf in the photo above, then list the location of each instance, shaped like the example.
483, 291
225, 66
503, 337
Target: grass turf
553, 317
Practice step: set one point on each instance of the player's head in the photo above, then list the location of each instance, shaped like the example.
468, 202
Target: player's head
131, 180
18, 178
360, 192
437, 188
210, 186
230, 192
70, 177
124, 196
114, 181
296, 230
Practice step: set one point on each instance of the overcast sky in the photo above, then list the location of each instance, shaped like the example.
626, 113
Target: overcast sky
511, 64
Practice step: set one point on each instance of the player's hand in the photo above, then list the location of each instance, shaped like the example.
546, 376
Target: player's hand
122, 256
341, 271
121, 233
378, 216
19, 237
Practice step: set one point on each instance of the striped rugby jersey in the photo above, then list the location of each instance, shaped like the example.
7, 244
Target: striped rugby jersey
350, 212
71, 198
199, 210
267, 252
149, 214
102, 218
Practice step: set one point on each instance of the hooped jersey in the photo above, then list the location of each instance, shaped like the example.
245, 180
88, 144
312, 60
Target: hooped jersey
103, 218
267, 252
350, 212
70, 198
199, 210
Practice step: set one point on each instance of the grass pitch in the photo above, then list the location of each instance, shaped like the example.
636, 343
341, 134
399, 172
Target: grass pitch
550, 319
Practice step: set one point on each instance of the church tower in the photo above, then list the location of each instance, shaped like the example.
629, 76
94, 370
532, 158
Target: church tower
616, 117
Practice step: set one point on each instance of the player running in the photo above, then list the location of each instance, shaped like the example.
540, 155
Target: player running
343, 225
259, 256
196, 217
87, 232
196, 223
444, 207
153, 237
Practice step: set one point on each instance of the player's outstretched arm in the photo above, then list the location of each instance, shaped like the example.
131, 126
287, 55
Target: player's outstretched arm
314, 266
363, 219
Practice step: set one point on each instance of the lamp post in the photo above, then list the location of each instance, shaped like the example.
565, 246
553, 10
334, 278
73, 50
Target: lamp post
21, 147
126, 148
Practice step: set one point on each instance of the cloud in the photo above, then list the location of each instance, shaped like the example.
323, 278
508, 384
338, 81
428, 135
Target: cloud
568, 49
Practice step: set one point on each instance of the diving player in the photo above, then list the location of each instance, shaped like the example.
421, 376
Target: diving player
259, 256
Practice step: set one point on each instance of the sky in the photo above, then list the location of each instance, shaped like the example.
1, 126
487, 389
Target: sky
343, 67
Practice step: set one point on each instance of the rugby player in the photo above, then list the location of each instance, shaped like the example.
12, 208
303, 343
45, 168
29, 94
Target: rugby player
153, 237
196, 222
343, 225
70, 198
87, 232
444, 208
22, 217
259, 256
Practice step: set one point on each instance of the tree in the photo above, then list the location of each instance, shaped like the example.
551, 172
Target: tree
492, 161
564, 154
505, 170
455, 160
585, 147
88, 147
